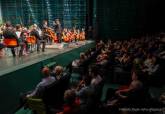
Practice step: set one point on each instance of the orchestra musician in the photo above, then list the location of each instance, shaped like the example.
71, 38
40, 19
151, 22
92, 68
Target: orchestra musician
10, 38
21, 36
24, 45
34, 32
58, 30
48, 33
82, 34
21, 44
45, 24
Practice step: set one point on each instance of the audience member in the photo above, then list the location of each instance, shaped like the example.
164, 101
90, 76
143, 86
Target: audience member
47, 80
72, 104
57, 72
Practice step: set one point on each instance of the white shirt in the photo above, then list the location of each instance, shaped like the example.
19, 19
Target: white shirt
18, 33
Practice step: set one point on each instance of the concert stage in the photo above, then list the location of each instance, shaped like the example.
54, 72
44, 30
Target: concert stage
21, 74
9, 64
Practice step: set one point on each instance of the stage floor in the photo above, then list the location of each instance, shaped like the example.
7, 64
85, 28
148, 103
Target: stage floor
9, 64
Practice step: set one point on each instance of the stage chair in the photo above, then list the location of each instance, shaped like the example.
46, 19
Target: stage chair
31, 40
10, 42
36, 105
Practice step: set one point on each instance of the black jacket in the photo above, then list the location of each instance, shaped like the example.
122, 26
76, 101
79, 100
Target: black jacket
36, 34
9, 33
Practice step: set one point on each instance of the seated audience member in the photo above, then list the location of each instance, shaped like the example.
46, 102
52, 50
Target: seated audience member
148, 60
57, 72
85, 92
47, 80
126, 93
102, 58
71, 105
99, 44
78, 62
151, 67
135, 85
96, 78
83, 57
89, 53
162, 98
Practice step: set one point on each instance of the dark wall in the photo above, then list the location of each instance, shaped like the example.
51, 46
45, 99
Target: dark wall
122, 19
155, 15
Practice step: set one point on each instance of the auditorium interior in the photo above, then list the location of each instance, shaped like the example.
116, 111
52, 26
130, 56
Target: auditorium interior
82, 57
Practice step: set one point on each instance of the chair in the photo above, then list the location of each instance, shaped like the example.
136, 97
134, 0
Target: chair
64, 84
31, 40
75, 77
53, 94
10, 42
98, 91
36, 105
50, 99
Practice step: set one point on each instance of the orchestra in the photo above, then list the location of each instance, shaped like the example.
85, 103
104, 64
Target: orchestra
22, 40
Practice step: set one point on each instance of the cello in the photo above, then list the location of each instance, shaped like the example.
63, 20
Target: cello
52, 35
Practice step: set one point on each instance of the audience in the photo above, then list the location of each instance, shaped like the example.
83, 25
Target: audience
71, 105
112, 58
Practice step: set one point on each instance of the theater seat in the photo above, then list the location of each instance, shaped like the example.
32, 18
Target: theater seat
75, 77
52, 99
36, 105
49, 101
53, 94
